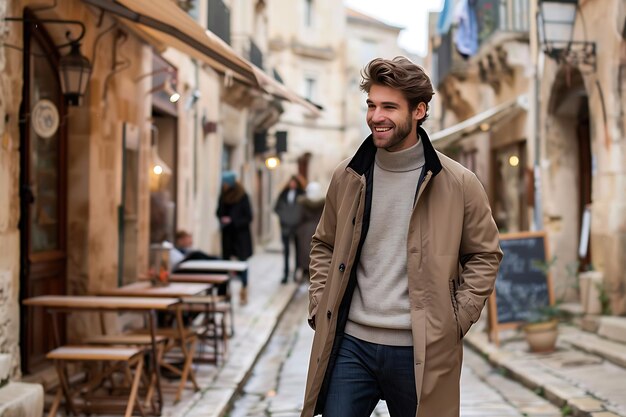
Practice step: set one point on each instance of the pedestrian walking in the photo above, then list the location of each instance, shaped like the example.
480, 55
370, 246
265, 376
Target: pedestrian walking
311, 205
288, 212
235, 215
402, 262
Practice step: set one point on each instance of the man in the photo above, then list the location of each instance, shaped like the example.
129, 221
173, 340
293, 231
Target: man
402, 262
183, 241
289, 214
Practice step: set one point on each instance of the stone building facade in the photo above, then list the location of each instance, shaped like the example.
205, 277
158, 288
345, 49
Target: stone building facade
367, 38
582, 137
80, 203
306, 42
545, 136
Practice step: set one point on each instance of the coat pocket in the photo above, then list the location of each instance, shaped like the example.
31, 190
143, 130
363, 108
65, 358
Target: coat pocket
455, 306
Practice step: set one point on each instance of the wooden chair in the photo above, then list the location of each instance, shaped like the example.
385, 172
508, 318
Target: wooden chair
127, 361
215, 310
182, 338
143, 341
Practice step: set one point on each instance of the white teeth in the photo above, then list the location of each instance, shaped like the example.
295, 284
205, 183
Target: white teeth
382, 129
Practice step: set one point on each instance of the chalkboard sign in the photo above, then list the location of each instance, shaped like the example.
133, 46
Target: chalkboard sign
523, 282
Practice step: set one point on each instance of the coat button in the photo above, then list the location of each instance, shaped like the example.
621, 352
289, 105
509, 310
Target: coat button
342, 267
329, 314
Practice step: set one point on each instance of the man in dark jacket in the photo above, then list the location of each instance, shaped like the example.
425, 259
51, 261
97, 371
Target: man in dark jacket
288, 212
235, 215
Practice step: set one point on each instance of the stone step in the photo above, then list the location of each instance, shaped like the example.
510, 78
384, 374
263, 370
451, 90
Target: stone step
5, 368
21, 399
519, 396
578, 382
609, 350
613, 328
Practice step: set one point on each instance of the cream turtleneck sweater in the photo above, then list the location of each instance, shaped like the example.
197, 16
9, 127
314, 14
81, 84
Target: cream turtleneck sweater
380, 310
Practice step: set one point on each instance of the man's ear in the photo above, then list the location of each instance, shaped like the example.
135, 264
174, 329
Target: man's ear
420, 111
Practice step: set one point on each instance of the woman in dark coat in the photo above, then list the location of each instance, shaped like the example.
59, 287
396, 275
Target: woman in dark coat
235, 215
311, 207
288, 212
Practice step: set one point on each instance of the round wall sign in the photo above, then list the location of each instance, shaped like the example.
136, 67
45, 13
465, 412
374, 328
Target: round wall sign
45, 118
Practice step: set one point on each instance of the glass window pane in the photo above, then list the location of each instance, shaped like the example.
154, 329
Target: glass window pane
44, 159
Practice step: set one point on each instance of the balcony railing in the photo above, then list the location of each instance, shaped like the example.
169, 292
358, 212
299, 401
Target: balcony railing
219, 19
448, 60
495, 16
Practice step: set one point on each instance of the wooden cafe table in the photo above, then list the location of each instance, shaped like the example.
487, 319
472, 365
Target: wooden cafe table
146, 289
205, 266
56, 304
180, 291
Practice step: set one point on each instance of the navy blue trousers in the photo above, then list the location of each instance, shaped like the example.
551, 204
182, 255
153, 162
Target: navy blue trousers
365, 373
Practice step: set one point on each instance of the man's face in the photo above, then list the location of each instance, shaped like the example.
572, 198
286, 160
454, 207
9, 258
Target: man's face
185, 241
392, 124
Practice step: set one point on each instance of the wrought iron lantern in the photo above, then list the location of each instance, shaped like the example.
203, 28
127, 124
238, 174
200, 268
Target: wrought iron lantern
556, 20
74, 68
74, 71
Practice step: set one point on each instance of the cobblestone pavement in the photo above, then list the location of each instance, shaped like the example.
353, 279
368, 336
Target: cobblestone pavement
276, 386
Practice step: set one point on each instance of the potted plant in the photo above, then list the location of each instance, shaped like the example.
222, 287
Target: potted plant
541, 328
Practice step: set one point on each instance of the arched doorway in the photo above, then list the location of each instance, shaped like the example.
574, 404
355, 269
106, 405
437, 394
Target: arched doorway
569, 151
43, 195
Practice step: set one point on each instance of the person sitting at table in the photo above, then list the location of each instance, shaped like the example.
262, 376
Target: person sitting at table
182, 243
183, 251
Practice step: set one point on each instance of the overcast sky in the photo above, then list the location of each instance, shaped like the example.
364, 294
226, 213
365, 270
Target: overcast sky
410, 14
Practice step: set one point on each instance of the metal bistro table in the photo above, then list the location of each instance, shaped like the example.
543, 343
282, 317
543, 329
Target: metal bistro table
56, 304
209, 306
197, 266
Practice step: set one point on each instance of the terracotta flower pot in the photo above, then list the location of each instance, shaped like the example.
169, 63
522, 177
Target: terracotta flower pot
541, 337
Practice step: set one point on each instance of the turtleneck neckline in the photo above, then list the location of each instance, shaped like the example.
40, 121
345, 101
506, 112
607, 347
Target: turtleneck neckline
405, 160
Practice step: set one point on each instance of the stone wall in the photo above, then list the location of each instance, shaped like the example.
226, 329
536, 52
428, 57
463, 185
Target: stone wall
606, 106
10, 87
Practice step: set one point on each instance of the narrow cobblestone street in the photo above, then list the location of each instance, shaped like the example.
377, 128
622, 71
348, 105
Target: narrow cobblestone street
276, 384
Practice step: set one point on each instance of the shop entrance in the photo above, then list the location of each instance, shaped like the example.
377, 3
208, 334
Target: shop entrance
568, 148
43, 193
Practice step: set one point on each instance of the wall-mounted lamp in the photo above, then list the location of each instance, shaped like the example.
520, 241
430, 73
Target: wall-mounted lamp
192, 99
74, 68
272, 162
172, 95
160, 173
166, 86
555, 21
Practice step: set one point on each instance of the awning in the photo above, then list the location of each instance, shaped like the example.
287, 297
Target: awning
493, 116
168, 25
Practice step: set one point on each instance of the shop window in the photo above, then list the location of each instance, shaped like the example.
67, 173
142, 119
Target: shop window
308, 13
310, 85
227, 157
510, 188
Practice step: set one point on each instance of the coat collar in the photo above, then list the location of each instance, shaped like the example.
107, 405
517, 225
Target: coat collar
364, 156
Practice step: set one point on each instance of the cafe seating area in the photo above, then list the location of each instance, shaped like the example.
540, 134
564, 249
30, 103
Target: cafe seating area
135, 370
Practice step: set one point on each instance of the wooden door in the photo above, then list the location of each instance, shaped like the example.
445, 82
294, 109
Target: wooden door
583, 132
42, 192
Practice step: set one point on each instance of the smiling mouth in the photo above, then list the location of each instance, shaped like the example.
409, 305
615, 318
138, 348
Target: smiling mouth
382, 129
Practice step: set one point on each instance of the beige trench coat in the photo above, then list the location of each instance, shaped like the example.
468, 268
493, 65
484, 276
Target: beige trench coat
453, 255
